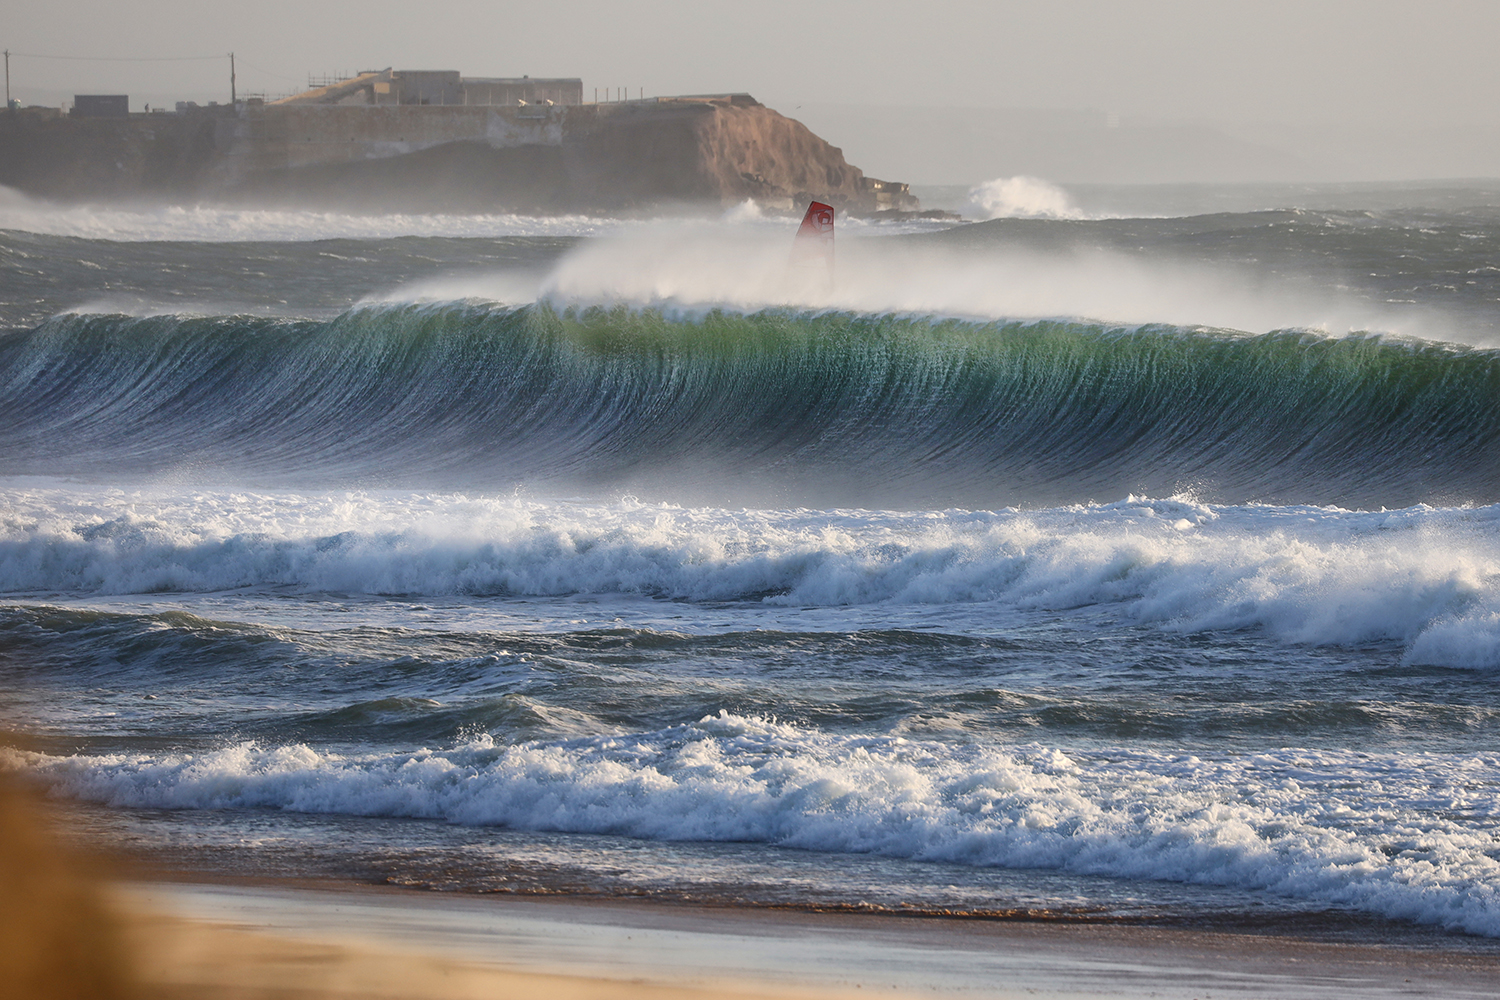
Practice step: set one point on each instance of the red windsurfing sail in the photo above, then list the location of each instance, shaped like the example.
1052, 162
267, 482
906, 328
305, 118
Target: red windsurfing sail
814, 242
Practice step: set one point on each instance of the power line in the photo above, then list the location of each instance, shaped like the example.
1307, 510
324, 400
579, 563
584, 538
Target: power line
137, 59
269, 72
34, 55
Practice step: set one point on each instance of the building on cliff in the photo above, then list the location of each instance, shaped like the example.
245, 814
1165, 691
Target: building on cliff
101, 106
426, 143
441, 88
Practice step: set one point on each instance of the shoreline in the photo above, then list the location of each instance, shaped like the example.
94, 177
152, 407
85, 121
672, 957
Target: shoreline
1317, 928
775, 951
443, 868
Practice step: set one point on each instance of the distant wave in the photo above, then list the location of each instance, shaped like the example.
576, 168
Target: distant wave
225, 224
1021, 198
242, 224
771, 407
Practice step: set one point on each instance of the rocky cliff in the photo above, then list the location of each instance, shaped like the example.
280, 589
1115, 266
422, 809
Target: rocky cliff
159, 157
630, 156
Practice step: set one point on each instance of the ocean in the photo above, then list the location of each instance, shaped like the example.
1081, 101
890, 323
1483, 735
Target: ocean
1137, 561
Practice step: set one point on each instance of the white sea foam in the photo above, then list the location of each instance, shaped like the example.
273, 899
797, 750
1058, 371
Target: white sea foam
1425, 579
135, 222
224, 224
1400, 835
1021, 198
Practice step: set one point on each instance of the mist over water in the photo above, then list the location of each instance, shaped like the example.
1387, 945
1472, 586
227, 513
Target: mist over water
981, 276
1079, 560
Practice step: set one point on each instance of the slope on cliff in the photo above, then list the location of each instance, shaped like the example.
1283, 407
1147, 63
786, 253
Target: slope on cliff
721, 149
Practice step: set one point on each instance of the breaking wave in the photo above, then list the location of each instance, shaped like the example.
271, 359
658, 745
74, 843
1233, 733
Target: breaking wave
1422, 580
779, 407
1395, 835
1021, 198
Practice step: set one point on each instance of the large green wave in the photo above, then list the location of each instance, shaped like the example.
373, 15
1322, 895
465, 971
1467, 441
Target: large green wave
779, 406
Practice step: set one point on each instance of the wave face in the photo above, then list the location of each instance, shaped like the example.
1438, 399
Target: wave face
791, 407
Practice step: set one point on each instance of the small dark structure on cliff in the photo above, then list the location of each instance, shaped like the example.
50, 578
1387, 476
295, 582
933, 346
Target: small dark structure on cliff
101, 106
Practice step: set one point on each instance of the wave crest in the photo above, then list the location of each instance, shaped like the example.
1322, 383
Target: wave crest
769, 407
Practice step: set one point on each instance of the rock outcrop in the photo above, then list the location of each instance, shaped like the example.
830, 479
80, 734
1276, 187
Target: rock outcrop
157, 157
623, 157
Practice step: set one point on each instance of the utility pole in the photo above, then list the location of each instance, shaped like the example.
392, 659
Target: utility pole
232, 101
7, 79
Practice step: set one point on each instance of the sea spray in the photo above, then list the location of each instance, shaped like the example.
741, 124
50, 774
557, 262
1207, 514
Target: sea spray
1021, 197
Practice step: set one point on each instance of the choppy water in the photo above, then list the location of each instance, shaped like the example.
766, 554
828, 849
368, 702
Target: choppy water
625, 562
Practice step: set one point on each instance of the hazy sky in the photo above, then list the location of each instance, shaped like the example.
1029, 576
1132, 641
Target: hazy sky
1382, 66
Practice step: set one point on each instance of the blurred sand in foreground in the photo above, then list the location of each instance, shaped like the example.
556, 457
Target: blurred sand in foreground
64, 935
70, 930
58, 935
177, 958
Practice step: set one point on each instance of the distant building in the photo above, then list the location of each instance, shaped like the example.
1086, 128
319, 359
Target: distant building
423, 86
441, 88
101, 106
510, 90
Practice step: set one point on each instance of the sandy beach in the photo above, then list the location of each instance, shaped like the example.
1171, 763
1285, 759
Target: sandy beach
225, 939
71, 926
178, 957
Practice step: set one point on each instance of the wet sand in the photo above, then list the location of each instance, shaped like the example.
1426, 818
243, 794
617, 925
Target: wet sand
177, 958
434, 943
70, 928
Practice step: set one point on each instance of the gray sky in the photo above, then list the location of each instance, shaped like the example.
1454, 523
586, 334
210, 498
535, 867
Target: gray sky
1315, 74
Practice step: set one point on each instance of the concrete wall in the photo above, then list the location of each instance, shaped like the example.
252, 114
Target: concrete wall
442, 87
160, 157
101, 106
300, 135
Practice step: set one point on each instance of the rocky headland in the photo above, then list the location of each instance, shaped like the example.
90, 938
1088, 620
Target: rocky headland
624, 157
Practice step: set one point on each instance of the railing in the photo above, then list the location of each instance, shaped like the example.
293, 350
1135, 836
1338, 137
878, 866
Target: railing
314, 82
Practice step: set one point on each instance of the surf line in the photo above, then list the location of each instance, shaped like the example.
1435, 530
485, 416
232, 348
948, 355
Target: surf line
812, 247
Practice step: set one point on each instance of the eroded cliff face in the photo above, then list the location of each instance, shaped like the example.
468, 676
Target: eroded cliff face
721, 151
755, 152
632, 156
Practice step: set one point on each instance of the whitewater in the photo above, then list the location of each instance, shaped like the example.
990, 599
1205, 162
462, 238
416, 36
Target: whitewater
1073, 564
